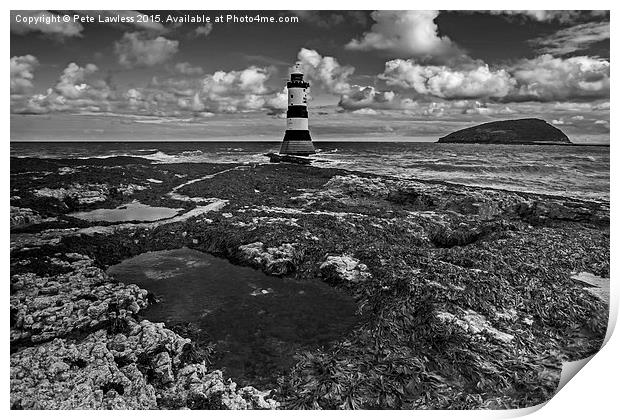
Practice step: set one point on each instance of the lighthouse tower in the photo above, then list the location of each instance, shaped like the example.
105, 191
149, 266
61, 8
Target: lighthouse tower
297, 140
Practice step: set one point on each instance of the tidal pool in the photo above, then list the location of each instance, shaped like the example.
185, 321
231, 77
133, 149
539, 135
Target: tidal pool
128, 212
257, 322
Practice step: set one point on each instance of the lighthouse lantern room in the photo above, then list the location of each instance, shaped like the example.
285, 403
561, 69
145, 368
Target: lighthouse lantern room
297, 140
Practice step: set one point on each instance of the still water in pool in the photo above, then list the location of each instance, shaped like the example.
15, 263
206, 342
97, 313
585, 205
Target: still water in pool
257, 322
128, 212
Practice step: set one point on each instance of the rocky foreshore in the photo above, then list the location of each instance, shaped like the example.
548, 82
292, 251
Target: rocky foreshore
467, 297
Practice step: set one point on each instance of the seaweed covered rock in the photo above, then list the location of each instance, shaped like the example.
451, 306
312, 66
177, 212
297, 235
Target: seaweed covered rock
278, 260
522, 131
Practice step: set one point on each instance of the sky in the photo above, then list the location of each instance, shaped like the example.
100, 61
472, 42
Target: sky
129, 75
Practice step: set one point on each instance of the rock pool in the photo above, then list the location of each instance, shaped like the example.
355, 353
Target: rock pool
129, 212
257, 322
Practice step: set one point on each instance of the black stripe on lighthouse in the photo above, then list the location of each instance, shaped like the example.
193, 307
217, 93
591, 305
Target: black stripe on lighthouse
297, 135
297, 111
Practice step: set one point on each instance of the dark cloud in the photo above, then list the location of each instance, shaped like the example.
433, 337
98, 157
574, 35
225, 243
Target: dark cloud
561, 16
366, 97
573, 39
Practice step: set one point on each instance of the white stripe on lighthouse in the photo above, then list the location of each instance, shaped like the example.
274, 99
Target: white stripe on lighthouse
297, 96
297, 123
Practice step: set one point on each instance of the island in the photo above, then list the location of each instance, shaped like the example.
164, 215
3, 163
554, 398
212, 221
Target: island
521, 131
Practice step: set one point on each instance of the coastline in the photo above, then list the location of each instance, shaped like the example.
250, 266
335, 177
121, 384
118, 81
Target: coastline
437, 270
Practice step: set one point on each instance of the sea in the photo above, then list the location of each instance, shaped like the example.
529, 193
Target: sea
579, 171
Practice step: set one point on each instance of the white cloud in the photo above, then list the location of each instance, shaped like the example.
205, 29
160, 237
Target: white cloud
137, 50
574, 38
22, 73
203, 30
412, 33
50, 24
448, 83
236, 90
77, 89
326, 72
72, 83
365, 111
547, 78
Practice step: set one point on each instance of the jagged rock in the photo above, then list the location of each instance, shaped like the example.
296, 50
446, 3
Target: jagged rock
88, 193
24, 216
83, 193
82, 298
273, 260
197, 388
135, 370
337, 269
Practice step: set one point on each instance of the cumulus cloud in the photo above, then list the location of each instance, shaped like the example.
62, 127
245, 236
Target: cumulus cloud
326, 72
46, 23
137, 50
235, 90
77, 89
412, 33
365, 97
22, 73
203, 30
543, 79
547, 78
448, 83
572, 39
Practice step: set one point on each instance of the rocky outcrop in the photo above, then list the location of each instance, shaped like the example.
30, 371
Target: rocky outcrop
145, 367
87, 193
344, 268
81, 298
474, 323
273, 260
23, 216
523, 131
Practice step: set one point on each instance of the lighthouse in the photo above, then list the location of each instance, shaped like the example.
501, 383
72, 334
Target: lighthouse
297, 140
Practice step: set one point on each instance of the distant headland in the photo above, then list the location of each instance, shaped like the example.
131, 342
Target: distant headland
522, 131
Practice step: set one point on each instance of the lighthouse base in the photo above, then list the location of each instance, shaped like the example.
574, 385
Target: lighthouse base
297, 142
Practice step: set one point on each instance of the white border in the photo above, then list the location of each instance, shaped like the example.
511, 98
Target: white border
593, 394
